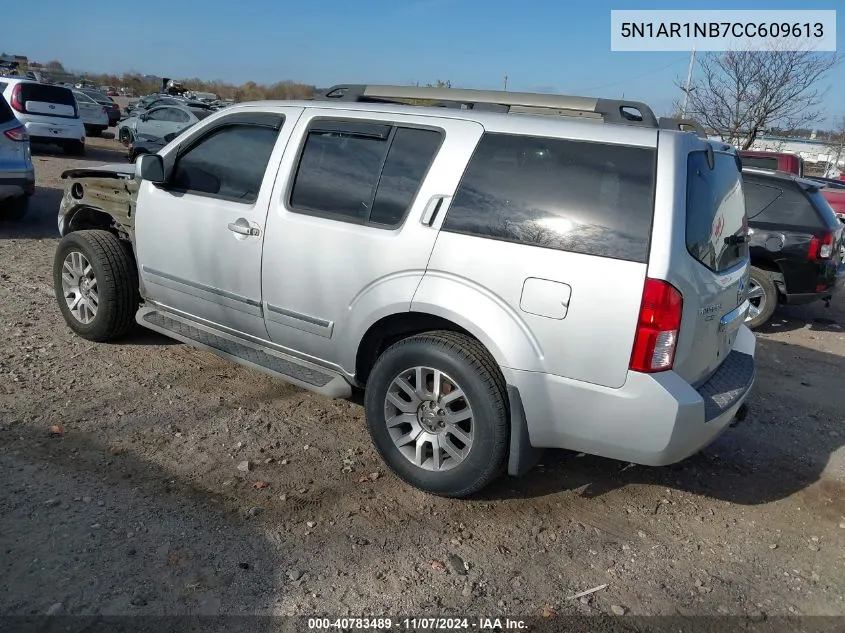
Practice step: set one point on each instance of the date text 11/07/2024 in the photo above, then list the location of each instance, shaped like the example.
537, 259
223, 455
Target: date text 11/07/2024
417, 624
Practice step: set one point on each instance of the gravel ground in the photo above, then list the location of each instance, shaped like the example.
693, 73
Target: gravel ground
144, 503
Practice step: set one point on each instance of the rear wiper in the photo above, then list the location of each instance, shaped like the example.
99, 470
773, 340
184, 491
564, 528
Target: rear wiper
735, 240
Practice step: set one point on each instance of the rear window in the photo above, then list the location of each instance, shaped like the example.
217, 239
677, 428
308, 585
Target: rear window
590, 198
715, 211
790, 207
46, 93
760, 162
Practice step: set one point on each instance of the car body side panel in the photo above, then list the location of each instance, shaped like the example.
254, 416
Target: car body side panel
484, 285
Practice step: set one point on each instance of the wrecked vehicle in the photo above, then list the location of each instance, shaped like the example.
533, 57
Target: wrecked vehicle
101, 196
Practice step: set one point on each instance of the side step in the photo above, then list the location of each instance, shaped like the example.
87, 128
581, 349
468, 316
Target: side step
293, 370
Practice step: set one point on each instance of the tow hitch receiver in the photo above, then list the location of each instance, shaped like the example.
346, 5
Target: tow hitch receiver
741, 414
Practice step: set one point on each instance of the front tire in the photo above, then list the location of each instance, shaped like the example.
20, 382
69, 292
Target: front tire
95, 280
436, 407
763, 295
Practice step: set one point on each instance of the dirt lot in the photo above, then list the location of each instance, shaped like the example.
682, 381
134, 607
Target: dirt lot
139, 506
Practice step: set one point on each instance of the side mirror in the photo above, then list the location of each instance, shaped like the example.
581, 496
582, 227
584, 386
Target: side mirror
150, 167
143, 116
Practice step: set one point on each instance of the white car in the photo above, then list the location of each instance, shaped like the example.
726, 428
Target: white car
94, 116
49, 113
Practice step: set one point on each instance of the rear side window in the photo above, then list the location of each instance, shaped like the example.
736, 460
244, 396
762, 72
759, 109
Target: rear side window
46, 93
589, 198
228, 163
760, 162
366, 173
715, 211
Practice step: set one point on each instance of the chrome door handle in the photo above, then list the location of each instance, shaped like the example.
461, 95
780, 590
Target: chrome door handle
431, 210
243, 229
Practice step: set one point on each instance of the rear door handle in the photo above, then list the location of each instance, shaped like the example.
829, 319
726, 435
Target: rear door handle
431, 209
241, 227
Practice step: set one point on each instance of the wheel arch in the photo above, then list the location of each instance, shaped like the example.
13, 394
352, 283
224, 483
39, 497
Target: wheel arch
392, 328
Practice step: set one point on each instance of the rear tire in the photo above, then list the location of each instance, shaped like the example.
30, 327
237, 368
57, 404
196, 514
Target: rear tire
15, 209
451, 440
763, 294
95, 281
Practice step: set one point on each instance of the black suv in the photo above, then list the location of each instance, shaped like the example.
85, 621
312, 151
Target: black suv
796, 242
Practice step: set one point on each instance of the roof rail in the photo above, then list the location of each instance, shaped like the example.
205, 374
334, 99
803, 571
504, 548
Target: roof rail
607, 110
669, 123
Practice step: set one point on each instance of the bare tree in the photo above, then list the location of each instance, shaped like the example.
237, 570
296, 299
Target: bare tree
741, 93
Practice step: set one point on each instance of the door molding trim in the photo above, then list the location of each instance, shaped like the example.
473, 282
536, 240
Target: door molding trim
298, 320
161, 275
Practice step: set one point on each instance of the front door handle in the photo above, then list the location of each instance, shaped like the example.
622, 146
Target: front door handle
241, 227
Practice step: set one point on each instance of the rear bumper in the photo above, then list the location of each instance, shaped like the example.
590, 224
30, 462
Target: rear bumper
22, 184
654, 419
61, 130
834, 282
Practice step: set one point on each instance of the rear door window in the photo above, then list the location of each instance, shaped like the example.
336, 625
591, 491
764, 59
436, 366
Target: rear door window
577, 196
362, 172
715, 211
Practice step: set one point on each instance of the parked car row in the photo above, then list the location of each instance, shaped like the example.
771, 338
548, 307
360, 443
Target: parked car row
159, 122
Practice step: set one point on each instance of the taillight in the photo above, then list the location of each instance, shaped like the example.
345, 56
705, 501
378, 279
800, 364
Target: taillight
105, 110
821, 248
657, 327
17, 133
16, 102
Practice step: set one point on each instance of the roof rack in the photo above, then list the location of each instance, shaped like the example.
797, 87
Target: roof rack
669, 123
591, 108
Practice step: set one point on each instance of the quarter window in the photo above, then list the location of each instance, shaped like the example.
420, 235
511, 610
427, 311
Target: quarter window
590, 198
228, 163
362, 172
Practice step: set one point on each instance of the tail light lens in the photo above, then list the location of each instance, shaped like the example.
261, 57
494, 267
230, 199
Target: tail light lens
821, 247
657, 327
16, 102
17, 134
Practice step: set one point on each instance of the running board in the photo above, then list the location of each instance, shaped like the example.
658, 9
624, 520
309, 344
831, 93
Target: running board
293, 370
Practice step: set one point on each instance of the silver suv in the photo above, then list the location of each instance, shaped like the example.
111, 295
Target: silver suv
17, 174
505, 273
